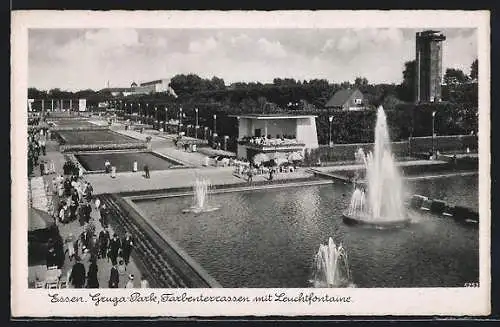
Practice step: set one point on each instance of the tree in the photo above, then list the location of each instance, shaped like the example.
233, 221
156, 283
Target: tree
454, 77
407, 88
360, 81
473, 70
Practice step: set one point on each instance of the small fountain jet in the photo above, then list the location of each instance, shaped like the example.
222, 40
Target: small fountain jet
331, 267
201, 190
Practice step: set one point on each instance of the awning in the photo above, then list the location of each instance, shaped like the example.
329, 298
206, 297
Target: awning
295, 156
260, 157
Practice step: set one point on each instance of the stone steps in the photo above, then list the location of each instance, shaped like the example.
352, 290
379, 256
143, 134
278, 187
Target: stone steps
149, 256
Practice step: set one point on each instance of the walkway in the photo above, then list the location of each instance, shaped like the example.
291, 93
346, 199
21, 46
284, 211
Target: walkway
177, 178
400, 164
138, 135
38, 190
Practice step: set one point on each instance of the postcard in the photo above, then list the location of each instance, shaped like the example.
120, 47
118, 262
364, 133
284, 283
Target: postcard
281, 163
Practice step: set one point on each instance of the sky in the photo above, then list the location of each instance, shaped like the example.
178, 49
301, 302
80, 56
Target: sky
76, 59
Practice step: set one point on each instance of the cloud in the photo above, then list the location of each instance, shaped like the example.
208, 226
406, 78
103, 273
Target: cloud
79, 59
203, 46
272, 49
350, 41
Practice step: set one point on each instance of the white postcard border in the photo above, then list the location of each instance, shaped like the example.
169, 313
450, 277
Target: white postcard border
419, 301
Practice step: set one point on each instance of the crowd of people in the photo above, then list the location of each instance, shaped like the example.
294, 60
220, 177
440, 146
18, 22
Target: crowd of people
89, 248
37, 141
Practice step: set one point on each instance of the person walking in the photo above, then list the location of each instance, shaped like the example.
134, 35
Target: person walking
250, 175
70, 247
85, 238
97, 204
114, 277
77, 277
144, 281
92, 280
103, 242
104, 216
130, 283
89, 190
114, 247
127, 246
146, 171
51, 257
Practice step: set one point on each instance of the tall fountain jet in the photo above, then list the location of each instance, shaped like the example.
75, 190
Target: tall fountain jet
201, 190
382, 204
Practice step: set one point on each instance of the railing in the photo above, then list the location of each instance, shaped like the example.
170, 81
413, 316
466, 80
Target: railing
272, 145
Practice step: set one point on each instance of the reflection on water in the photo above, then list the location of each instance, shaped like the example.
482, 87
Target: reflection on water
268, 238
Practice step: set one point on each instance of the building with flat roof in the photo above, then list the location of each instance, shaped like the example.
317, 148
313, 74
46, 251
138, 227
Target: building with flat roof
429, 70
270, 133
156, 86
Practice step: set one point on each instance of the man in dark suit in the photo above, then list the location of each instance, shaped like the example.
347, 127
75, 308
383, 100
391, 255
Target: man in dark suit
104, 216
114, 247
51, 256
114, 277
77, 277
103, 242
127, 246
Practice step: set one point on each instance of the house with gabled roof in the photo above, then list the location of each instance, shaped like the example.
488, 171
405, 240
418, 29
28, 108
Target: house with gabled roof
347, 99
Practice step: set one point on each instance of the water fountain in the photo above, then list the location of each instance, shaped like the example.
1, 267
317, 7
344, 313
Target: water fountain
201, 190
331, 268
382, 205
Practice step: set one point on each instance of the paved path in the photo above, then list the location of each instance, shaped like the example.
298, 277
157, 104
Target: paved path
400, 164
138, 135
74, 227
176, 178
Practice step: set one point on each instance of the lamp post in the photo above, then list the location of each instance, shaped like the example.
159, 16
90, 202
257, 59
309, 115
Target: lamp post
156, 118
215, 126
140, 112
180, 119
433, 115
196, 124
166, 119
330, 119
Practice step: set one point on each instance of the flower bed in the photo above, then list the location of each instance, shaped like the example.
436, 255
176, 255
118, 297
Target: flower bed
99, 147
80, 128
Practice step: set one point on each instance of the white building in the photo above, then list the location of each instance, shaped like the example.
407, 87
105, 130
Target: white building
156, 86
270, 133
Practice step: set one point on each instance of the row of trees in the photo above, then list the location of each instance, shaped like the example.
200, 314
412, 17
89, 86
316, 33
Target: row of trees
456, 115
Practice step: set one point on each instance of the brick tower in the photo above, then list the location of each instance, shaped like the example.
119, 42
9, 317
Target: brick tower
429, 68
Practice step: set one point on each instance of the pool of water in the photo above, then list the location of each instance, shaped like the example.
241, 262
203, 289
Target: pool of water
95, 137
124, 161
268, 238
